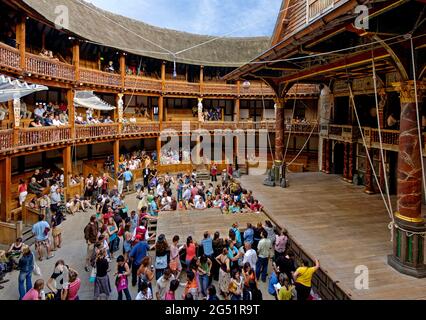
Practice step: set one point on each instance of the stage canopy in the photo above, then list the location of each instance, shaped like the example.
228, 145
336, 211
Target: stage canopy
86, 99
11, 89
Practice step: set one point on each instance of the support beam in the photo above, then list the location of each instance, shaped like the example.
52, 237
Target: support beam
67, 163
279, 130
368, 178
161, 111
71, 111
5, 189
116, 157
76, 59
123, 70
21, 40
237, 111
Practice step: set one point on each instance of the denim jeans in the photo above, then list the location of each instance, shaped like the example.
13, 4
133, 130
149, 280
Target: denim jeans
25, 283
126, 293
204, 283
262, 267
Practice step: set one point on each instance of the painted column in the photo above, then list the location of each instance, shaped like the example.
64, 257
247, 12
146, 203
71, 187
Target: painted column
323, 154
368, 178
5, 190
345, 161
279, 129
351, 163
328, 150
409, 249
67, 163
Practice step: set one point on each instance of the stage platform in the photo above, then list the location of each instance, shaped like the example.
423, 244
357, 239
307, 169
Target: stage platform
195, 222
343, 227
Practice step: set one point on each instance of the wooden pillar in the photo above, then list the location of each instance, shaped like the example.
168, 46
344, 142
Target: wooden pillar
408, 255
71, 111
161, 111
76, 59
123, 70
21, 40
324, 152
382, 172
201, 80
237, 111
116, 157
328, 151
279, 132
67, 163
351, 163
368, 178
163, 76
345, 161
5, 188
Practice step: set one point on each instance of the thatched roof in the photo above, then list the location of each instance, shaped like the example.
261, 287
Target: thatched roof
103, 27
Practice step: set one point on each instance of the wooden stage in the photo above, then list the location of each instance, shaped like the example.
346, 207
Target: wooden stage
195, 222
343, 227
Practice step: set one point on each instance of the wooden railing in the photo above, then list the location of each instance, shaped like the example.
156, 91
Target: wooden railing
219, 89
9, 57
212, 125
145, 84
317, 7
178, 125
256, 89
138, 128
48, 67
99, 78
388, 136
245, 125
335, 130
182, 87
43, 135
96, 131
6, 139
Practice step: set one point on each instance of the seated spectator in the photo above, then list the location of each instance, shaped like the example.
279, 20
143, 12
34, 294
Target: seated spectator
36, 123
35, 187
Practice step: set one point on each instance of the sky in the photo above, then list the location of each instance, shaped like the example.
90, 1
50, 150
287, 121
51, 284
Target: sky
234, 18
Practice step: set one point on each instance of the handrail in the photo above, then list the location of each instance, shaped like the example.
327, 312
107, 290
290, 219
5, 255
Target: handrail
43, 135
101, 78
49, 67
141, 127
143, 83
219, 88
182, 87
6, 139
9, 56
96, 130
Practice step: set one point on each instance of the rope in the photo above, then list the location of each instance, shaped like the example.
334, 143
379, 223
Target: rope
269, 140
380, 133
304, 146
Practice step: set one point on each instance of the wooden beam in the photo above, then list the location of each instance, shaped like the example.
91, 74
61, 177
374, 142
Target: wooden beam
123, 69
76, 59
21, 39
116, 156
67, 163
71, 111
5, 188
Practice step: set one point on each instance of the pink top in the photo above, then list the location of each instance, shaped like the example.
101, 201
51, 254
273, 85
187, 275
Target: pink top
73, 289
32, 295
22, 188
190, 251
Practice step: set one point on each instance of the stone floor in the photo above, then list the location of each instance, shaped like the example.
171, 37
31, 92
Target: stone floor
73, 253
343, 227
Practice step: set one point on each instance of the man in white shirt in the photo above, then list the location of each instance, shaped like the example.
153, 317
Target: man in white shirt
39, 111
200, 204
56, 121
250, 256
163, 284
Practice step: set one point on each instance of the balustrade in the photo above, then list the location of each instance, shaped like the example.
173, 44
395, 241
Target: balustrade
212, 125
9, 57
144, 84
42, 136
388, 136
182, 87
219, 89
96, 131
335, 130
6, 139
100, 78
49, 67
140, 128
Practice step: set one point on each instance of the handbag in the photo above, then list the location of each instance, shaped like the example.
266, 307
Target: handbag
121, 282
92, 277
36, 270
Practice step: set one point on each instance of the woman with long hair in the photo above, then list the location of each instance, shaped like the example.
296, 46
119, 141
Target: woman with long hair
191, 251
224, 272
71, 291
122, 272
218, 245
26, 267
113, 239
236, 285
23, 192
145, 272
204, 267
162, 256
175, 265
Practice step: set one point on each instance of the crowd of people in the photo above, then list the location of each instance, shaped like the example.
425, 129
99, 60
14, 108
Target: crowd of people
90, 118
47, 114
172, 156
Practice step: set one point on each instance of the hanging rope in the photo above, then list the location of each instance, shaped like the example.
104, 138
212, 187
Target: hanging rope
304, 146
380, 132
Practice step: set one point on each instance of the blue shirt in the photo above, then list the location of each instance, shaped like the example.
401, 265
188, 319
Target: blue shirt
248, 235
38, 229
237, 236
153, 209
139, 252
272, 280
127, 176
207, 246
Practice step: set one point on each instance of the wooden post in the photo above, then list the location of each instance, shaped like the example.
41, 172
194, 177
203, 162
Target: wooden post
116, 157
161, 111
67, 163
21, 40
123, 70
201, 80
71, 111
163, 76
159, 150
237, 111
76, 59
5, 190
368, 179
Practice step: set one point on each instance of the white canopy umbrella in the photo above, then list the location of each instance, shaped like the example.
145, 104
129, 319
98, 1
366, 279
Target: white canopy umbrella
86, 99
13, 89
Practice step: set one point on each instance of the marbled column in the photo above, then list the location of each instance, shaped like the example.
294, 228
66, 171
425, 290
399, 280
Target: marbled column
409, 165
368, 179
345, 160
328, 156
382, 173
279, 129
351, 162
324, 152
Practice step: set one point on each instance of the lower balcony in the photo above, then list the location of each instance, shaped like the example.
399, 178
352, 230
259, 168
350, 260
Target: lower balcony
96, 131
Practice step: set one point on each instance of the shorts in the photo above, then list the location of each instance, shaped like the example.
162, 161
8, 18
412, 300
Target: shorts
42, 243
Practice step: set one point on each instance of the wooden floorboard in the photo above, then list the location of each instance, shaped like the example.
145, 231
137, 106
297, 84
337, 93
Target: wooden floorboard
343, 227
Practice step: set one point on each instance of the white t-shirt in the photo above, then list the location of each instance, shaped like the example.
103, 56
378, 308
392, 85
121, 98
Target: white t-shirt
142, 296
251, 257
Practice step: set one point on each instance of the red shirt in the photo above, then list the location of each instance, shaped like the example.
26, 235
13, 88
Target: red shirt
107, 216
190, 251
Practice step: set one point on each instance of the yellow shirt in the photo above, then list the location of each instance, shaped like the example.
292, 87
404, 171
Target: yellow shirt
305, 275
285, 294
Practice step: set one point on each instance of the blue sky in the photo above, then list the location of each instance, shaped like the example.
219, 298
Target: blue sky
213, 17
